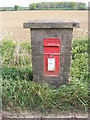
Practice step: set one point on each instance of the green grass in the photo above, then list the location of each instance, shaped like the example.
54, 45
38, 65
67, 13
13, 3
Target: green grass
19, 93
24, 95
15, 54
16, 73
16, 60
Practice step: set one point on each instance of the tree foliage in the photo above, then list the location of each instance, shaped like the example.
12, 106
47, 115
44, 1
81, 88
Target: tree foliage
48, 6
57, 5
4, 9
16, 7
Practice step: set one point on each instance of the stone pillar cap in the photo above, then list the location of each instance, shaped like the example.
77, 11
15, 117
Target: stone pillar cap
51, 24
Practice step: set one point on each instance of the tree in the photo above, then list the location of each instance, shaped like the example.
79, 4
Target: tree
32, 6
16, 7
82, 7
73, 5
4, 9
57, 5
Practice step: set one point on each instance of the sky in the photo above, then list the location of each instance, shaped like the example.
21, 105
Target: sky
25, 3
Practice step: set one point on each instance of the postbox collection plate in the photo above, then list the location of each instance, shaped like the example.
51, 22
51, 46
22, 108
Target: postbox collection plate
51, 64
51, 56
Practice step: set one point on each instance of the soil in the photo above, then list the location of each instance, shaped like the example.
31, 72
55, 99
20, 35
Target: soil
41, 115
12, 22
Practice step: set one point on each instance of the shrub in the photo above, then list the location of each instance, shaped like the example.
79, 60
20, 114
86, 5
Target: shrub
79, 68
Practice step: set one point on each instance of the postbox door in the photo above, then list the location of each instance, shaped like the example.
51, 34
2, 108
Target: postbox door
51, 56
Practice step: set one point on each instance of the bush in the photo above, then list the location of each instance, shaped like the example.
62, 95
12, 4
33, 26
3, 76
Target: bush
79, 68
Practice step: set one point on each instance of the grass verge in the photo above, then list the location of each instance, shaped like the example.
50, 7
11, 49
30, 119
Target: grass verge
20, 94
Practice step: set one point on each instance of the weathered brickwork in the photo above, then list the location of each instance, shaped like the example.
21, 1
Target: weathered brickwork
65, 36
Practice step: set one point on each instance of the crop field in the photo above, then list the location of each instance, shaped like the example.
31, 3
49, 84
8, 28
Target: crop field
12, 22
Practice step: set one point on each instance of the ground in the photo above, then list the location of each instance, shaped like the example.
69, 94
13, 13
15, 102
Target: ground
40, 115
12, 21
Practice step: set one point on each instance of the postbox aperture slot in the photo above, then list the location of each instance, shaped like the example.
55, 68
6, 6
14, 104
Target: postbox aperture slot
51, 49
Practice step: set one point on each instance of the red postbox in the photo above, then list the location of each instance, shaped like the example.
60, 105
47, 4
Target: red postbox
51, 56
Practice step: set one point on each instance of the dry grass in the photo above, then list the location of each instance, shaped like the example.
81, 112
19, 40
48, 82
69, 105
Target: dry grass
12, 24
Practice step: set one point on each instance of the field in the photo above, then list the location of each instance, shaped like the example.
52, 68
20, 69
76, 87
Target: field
12, 22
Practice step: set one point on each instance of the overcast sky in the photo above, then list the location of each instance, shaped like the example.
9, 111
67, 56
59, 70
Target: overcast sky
25, 3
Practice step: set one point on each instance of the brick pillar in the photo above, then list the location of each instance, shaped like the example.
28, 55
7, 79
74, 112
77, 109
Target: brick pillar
51, 29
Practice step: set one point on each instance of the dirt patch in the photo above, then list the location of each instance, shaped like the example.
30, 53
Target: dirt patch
41, 115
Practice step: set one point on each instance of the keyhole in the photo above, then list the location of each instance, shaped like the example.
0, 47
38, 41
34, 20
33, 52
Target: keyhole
51, 55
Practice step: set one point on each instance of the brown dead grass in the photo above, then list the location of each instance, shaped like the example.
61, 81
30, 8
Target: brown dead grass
12, 22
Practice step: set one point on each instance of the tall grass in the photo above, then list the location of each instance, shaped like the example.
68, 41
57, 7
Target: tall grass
19, 93
23, 95
15, 54
16, 60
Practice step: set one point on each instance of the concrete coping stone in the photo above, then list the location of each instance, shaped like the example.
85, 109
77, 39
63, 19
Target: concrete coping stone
51, 24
